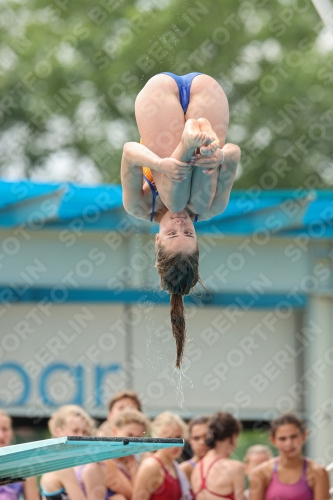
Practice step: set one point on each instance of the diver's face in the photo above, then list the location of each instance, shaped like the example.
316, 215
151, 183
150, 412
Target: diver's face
177, 232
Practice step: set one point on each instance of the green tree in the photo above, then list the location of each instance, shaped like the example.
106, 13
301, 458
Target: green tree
70, 72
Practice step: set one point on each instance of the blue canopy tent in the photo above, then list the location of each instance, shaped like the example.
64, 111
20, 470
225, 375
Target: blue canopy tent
20, 461
100, 208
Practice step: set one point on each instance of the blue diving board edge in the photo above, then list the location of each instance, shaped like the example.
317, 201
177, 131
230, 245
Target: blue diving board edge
18, 462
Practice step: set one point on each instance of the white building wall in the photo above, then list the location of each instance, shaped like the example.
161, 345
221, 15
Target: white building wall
246, 364
98, 259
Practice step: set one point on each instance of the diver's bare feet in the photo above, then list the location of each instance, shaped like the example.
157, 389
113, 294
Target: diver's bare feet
193, 137
211, 147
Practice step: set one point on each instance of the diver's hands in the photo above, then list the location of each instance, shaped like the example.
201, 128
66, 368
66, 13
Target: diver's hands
228, 158
208, 163
176, 170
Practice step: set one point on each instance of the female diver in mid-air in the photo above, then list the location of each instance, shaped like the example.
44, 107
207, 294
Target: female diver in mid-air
181, 173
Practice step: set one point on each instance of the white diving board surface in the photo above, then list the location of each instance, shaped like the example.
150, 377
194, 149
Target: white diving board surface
20, 461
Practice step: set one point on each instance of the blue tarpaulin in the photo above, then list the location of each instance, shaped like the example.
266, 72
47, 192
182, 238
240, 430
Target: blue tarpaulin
99, 208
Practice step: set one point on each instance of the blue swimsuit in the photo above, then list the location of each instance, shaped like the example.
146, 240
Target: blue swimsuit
184, 87
55, 495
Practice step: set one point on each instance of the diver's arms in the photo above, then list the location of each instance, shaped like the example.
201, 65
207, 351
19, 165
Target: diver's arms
226, 176
136, 155
136, 200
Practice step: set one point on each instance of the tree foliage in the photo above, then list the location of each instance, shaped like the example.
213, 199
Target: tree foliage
70, 72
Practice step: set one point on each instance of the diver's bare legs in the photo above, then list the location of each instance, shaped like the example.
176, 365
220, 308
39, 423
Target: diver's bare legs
203, 186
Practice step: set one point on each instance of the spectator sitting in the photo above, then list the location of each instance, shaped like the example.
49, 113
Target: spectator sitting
28, 489
216, 475
123, 400
198, 430
121, 471
68, 420
255, 455
289, 476
159, 476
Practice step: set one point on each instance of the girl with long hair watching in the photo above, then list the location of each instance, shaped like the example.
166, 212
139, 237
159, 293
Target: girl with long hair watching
181, 173
28, 488
290, 476
198, 433
216, 475
159, 476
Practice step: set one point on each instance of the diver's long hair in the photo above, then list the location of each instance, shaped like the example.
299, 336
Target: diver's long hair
179, 273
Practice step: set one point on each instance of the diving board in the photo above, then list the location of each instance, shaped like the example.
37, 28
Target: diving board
20, 461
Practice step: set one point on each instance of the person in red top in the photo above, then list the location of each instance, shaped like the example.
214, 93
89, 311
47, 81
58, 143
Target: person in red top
159, 477
216, 476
